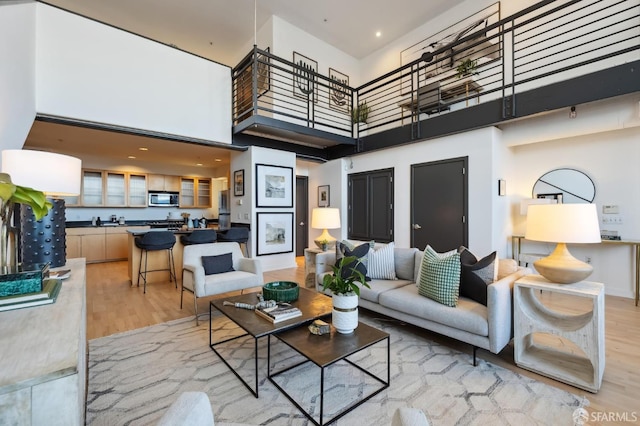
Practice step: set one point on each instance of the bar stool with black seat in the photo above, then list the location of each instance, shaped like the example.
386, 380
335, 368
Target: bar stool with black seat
204, 236
238, 235
155, 241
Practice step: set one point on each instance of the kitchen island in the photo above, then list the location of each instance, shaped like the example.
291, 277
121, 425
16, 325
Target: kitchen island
156, 259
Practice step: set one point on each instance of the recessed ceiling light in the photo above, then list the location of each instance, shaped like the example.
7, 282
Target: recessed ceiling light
198, 164
143, 149
378, 34
217, 159
132, 157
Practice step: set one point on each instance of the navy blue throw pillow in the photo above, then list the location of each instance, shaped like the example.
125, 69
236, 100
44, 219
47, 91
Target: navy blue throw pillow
217, 264
360, 252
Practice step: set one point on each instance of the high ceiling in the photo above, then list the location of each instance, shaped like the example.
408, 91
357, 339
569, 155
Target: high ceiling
219, 30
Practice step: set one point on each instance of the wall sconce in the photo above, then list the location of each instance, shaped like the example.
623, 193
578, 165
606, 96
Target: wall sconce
502, 187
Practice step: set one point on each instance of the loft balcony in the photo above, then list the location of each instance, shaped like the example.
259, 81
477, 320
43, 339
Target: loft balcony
551, 55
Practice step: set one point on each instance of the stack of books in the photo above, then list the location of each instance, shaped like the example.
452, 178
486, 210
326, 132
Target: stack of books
48, 295
282, 311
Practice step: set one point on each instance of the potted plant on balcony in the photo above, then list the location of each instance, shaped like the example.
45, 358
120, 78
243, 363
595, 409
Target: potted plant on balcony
466, 68
344, 284
359, 117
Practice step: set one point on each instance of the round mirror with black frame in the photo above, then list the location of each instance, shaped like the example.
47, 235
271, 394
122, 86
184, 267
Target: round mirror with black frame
566, 186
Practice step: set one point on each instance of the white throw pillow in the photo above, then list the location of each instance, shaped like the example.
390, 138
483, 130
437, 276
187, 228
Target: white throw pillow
381, 263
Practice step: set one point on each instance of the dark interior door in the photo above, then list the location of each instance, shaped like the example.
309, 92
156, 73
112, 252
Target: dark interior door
439, 204
302, 213
371, 205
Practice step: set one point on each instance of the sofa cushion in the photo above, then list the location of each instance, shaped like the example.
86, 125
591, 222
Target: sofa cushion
468, 316
506, 267
380, 286
381, 264
217, 264
440, 276
361, 252
404, 259
476, 275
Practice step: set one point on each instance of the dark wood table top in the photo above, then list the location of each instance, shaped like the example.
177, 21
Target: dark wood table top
313, 305
332, 347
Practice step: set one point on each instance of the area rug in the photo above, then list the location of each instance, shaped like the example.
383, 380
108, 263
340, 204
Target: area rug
135, 376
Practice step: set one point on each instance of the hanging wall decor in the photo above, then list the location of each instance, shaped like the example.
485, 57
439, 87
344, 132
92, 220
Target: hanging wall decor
339, 96
305, 82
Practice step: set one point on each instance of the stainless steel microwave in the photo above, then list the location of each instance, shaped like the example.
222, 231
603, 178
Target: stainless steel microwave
163, 199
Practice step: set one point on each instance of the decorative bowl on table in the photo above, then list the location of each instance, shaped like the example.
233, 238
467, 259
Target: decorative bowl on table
281, 291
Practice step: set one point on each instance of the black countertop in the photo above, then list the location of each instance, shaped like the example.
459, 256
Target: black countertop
87, 223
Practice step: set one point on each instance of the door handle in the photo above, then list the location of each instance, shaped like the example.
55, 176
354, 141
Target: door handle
301, 223
416, 226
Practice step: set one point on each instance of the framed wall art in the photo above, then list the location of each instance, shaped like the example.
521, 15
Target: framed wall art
274, 186
324, 196
305, 82
339, 97
238, 183
275, 233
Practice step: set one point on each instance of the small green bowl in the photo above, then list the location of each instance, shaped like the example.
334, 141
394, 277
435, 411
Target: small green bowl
281, 291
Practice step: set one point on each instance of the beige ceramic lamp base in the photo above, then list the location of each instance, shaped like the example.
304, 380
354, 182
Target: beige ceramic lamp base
562, 268
325, 237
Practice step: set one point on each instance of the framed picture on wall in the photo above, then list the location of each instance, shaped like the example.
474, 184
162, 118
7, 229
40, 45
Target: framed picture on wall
274, 186
238, 183
324, 196
275, 233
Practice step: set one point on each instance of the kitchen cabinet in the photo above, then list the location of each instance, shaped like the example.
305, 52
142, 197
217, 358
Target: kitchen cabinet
99, 244
105, 188
115, 184
92, 188
137, 190
195, 192
164, 183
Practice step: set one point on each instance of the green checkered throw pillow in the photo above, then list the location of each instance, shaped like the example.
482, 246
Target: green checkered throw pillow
440, 276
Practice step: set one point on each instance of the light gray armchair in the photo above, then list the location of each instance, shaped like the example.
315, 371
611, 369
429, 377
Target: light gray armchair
245, 273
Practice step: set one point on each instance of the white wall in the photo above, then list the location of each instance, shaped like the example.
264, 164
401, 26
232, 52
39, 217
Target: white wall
478, 145
611, 160
17, 73
247, 212
89, 71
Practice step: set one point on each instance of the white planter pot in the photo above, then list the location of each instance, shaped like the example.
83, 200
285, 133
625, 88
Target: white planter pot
344, 315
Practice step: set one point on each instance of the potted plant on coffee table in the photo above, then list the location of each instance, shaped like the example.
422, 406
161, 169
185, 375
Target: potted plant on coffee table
344, 284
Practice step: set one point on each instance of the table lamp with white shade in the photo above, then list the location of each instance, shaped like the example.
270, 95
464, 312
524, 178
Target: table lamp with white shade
56, 175
562, 224
325, 218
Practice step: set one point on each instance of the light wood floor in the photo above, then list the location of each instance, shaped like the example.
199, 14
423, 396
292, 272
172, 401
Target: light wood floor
114, 306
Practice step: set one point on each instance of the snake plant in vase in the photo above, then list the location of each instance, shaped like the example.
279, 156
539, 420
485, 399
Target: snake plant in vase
10, 194
345, 283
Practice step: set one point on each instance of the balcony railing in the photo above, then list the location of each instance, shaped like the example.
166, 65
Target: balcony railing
548, 42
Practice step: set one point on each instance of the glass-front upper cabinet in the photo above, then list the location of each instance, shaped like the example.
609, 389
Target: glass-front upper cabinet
116, 189
187, 192
137, 190
204, 192
92, 188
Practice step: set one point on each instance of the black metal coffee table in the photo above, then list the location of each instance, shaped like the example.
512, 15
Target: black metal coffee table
312, 304
325, 351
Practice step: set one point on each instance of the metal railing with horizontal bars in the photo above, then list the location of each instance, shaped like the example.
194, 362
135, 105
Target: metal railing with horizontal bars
550, 41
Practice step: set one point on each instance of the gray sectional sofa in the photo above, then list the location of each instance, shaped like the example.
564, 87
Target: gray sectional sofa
489, 327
